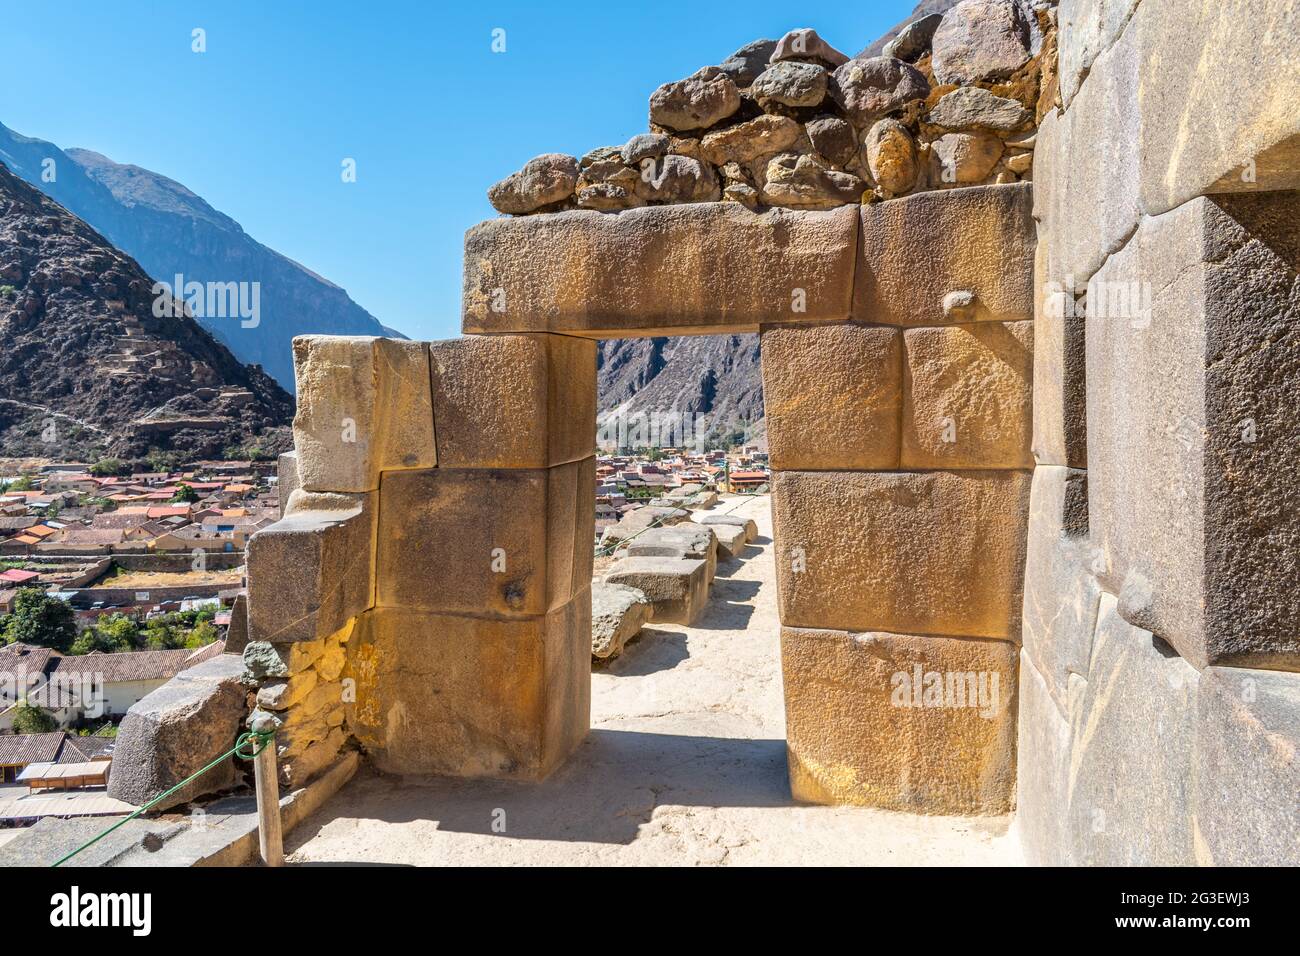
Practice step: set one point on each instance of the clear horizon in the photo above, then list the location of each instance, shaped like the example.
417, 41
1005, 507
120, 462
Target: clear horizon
260, 123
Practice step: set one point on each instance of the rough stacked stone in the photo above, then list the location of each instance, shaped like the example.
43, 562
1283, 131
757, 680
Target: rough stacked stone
796, 123
901, 448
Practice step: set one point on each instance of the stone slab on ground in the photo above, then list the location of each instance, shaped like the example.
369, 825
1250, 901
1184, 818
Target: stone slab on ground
731, 540
618, 613
178, 729
685, 540
730, 518
677, 587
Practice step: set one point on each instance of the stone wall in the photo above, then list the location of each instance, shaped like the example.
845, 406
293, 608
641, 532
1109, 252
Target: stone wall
1160, 699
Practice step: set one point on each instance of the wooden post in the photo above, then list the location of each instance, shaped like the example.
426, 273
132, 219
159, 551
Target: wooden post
269, 834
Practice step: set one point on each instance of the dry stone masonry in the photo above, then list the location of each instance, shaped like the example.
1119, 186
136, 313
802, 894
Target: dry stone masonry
1033, 442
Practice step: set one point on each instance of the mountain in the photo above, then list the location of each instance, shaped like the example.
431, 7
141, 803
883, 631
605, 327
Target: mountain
713, 379
88, 370
170, 231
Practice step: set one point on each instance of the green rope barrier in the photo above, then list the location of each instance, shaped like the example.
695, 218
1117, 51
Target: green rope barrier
262, 738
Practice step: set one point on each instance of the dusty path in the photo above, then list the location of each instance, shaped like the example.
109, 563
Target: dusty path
685, 765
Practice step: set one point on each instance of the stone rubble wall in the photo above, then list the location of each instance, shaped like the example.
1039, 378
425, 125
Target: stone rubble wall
1160, 668
953, 101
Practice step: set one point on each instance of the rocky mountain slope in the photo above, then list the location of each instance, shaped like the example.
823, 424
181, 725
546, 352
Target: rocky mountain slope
87, 369
170, 230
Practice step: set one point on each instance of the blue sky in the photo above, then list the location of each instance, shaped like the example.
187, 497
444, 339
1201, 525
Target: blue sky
260, 123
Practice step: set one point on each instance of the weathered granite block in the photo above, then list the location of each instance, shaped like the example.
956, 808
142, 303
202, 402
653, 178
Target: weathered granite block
699, 268
1061, 591
1192, 432
618, 613
968, 396
313, 569
364, 407
933, 553
915, 252
471, 696
511, 542
729, 518
1247, 768
1194, 53
178, 729
677, 587
918, 724
1042, 772
514, 401
1132, 736
831, 397
686, 540
1087, 28
731, 538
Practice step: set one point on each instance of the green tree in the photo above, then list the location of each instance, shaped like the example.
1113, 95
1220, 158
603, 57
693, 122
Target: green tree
202, 634
22, 483
160, 460
31, 719
107, 467
114, 632
185, 493
40, 619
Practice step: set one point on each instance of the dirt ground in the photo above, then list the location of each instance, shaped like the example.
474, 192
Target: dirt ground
144, 580
684, 765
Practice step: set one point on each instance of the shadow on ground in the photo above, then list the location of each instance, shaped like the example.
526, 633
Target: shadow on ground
606, 791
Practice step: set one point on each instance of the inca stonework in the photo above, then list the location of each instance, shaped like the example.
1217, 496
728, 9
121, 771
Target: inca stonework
1028, 306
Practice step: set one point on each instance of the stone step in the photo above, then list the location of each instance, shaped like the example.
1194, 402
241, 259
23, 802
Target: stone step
677, 587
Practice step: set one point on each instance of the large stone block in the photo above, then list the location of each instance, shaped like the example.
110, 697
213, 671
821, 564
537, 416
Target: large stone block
831, 396
1132, 734
968, 396
1061, 592
729, 518
1086, 168
364, 407
698, 268
514, 401
1042, 771
509, 542
918, 724
685, 540
178, 729
1060, 434
916, 252
618, 613
677, 587
1194, 54
312, 570
1191, 426
471, 696
1247, 768
934, 553
1087, 28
